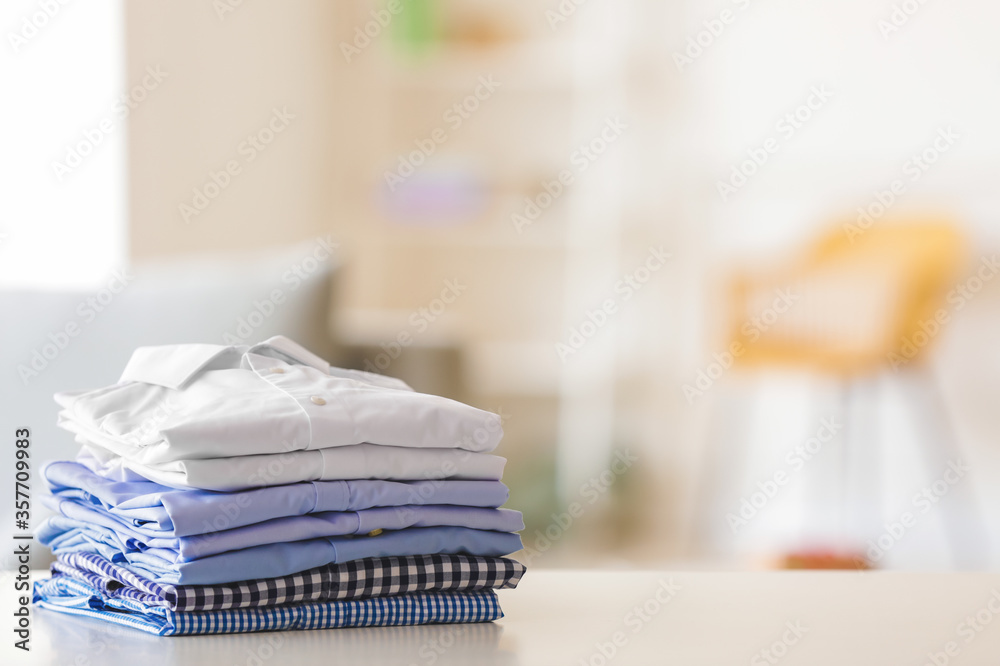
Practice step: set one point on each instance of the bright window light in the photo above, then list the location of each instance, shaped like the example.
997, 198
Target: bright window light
63, 209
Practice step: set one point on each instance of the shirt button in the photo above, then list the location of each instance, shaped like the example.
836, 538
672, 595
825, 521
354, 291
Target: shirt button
278, 371
318, 400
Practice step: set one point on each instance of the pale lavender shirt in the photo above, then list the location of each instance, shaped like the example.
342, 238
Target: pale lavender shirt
158, 510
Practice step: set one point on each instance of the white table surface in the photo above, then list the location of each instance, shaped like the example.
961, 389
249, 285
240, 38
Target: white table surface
565, 617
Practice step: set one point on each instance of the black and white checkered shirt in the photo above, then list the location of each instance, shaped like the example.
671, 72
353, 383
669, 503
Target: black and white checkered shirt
356, 579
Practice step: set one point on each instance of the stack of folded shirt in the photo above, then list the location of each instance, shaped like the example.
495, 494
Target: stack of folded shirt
229, 489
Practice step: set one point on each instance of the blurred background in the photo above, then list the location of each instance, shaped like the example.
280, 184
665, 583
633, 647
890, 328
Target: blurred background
725, 268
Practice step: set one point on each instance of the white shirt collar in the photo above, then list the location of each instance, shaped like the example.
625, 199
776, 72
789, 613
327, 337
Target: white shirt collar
172, 366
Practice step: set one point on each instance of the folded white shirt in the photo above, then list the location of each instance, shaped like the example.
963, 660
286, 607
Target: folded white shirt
185, 403
361, 461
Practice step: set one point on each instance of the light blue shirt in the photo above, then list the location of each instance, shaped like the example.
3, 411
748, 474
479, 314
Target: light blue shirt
291, 528
65, 535
177, 513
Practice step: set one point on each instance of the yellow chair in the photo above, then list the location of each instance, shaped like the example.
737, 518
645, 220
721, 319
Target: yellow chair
853, 308
858, 301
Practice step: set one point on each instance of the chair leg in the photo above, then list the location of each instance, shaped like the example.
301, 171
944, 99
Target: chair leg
862, 462
847, 450
966, 528
827, 487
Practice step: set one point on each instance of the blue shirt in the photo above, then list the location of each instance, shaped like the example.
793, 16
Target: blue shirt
293, 528
179, 513
66, 595
271, 560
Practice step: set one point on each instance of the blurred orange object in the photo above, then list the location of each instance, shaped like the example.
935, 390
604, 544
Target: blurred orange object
850, 303
824, 560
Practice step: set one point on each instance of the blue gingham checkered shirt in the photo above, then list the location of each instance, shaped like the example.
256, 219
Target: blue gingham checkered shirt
356, 579
68, 595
